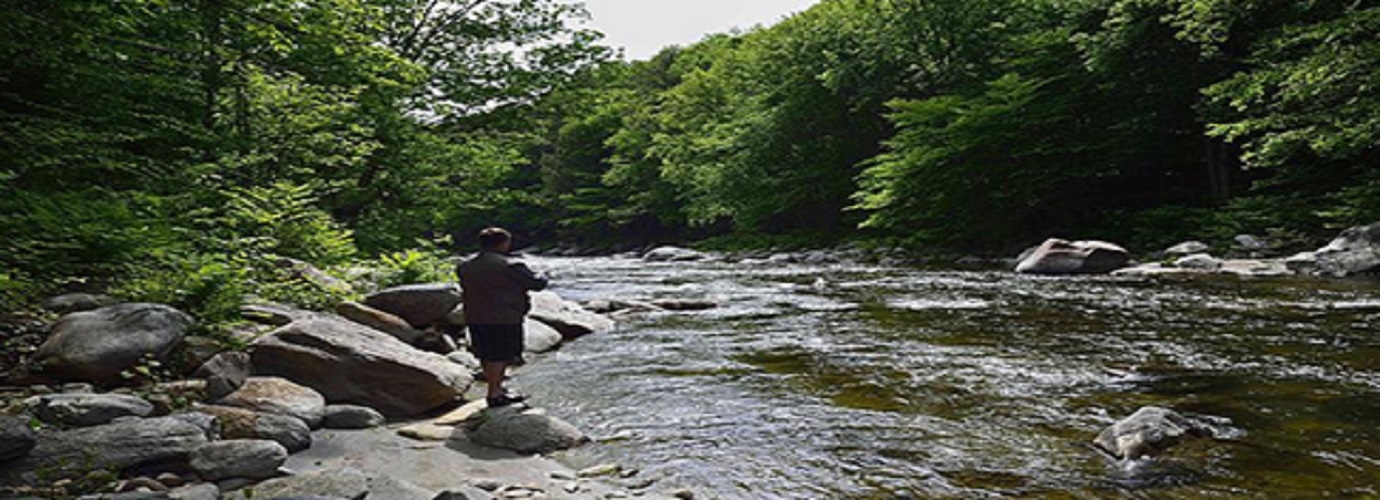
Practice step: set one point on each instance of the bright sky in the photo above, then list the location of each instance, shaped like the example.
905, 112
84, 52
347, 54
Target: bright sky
644, 27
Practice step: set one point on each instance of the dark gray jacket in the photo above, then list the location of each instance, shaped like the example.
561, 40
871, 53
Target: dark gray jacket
494, 286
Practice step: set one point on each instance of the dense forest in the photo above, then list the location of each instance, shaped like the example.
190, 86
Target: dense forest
182, 151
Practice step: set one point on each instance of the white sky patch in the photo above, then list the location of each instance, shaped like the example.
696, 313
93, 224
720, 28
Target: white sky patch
644, 27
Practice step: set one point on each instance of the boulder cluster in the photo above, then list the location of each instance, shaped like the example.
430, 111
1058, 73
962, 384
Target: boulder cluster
95, 417
1355, 251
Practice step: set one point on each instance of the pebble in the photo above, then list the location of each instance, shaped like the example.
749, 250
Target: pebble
171, 480
137, 483
600, 470
628, 472
487, 484
682, 494
562, 475
572, 487
641, 484
616, 494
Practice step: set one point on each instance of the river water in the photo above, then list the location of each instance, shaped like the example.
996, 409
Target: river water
857, 381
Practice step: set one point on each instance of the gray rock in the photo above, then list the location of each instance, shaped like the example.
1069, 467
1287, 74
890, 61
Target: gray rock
419, 305
1356, 250
16, 438
378, 320
224, 373
1302, 263
1201, 261
278, 396
569, 318
116, 446
77, 302
209, 424
524, 430
538, 338
201, 491
340, 483
1056, 256
350, 363
673, 254
84, 410
351, 417
1150, 430
239, 423
247, 458
1187, 248
97, 345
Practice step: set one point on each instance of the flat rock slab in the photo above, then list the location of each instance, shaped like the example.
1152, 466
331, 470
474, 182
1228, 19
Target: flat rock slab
427, 432
457, 465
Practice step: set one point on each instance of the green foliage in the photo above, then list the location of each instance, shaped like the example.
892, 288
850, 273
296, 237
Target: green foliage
282, 220
414, 266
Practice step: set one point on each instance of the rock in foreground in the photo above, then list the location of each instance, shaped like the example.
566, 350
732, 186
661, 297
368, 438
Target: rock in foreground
97, 345
16, 438
116, 446
522, 429
252, 459
351, 363
279, 396
1056, 256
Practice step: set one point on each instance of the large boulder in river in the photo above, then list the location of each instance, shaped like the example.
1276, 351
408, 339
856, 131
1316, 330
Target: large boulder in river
1056, 256
84, 410
1356, 250
1148, 431
673, 254
97, 345
120, 445
537, 337
569, 318
418, 305
352, 363
522, 429
278, 396
16, 438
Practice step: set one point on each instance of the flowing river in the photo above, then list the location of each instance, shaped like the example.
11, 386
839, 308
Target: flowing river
855, 381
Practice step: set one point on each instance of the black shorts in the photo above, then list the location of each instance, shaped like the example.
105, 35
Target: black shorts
501, 343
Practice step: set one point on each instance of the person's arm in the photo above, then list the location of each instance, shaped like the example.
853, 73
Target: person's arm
529, 280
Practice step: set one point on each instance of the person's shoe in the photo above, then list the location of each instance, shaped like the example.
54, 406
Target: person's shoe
505, 399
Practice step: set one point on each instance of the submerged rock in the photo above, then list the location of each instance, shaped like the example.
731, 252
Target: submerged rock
673, 254
1149, 431
1056, 256
95, 346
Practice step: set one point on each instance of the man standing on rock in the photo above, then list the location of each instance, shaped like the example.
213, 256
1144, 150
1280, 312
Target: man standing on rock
494, 286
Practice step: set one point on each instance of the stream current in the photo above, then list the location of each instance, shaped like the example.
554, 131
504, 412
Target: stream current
857, 381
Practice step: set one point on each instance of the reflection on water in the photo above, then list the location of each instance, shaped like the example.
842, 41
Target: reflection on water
851, 381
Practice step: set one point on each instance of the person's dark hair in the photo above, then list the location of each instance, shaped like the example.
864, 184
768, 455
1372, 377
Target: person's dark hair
493, 237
